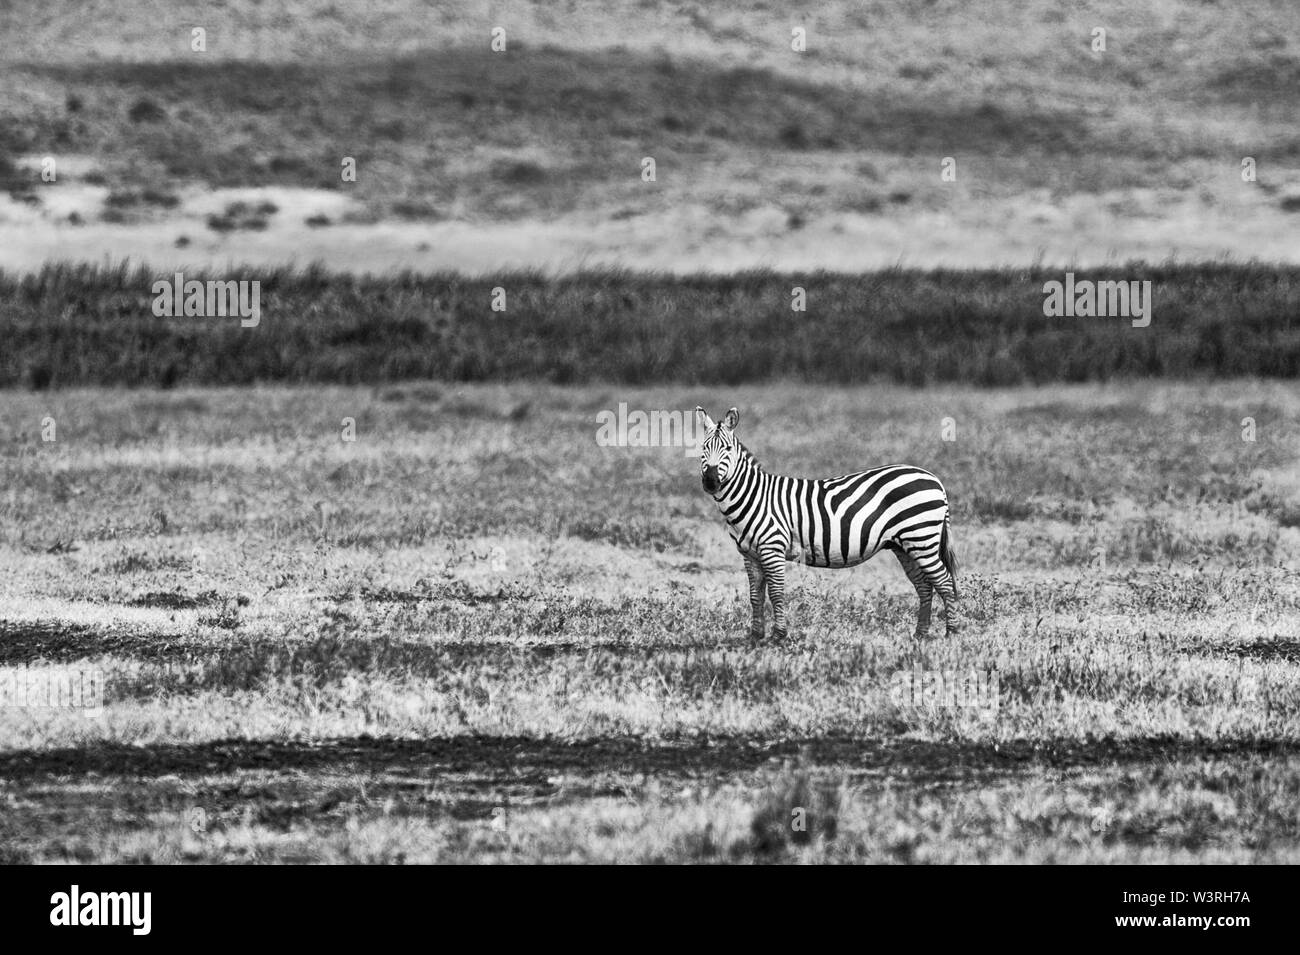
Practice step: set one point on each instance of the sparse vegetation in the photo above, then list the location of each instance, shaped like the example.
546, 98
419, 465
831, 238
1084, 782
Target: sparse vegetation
478, 635
474, 633
244, 216
720, 95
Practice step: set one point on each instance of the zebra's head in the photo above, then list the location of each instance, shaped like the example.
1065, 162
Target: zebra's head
719, 449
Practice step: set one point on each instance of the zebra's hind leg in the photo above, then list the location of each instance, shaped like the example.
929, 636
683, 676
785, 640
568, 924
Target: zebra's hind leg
926, 556
947, 587
945, 583
757, 596
924, 590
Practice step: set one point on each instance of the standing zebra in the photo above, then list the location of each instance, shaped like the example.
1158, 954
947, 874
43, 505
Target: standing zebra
836, 522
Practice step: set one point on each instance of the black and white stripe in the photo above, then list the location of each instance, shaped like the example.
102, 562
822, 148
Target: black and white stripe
834, 522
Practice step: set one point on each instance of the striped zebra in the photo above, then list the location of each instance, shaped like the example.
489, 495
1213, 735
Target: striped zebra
836, 522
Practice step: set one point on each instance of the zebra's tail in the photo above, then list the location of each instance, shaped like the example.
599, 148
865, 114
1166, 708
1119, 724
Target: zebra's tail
946, 552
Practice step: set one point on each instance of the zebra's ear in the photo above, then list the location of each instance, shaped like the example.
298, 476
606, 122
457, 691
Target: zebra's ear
731, 420
703, 417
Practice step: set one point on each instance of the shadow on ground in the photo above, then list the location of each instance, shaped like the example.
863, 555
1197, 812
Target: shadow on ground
512, 757
254, 655
57, 641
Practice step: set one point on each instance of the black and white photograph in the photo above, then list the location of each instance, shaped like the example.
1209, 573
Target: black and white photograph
458, 432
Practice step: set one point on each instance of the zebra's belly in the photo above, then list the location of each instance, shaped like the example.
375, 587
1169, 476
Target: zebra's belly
803, 553
817, 557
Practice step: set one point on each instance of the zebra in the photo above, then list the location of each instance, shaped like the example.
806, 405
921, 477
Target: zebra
835, 522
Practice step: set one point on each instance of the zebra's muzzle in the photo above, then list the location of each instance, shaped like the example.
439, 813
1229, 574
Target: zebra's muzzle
710, 480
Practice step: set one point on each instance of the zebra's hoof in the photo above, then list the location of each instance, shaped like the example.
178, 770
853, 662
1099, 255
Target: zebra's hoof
920, 634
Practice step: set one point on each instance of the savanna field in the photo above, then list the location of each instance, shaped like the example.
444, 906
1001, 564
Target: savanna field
477, 161
474, 634
362, 582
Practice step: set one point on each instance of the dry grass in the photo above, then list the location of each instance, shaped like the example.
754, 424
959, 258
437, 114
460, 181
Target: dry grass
473, 634
763, 155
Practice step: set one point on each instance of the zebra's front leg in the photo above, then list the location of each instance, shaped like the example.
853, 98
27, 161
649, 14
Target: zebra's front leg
773, 565
757, 595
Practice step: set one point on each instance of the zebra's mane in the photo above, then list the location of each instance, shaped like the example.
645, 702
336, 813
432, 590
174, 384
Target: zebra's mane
749, 455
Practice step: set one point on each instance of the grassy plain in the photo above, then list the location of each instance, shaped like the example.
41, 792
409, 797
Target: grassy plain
444, 127
475, 634
765, 157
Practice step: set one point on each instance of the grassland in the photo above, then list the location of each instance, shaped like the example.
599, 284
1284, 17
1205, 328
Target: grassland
443, 126
74, 326
474, 634
764, 156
